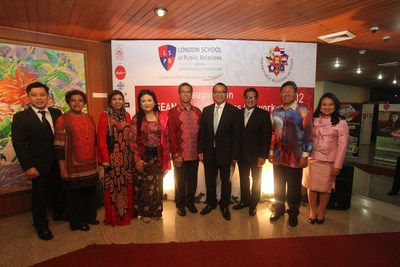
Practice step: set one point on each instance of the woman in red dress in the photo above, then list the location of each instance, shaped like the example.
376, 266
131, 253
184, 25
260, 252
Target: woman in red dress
116, 158
75, 141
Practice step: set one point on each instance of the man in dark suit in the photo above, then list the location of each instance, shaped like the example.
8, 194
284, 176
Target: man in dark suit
219, 148
256, 139
33, 141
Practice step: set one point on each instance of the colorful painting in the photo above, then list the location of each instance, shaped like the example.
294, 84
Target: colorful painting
19, 66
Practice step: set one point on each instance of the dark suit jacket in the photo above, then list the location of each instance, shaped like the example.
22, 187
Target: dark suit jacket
32, 143
256, 136
227, 137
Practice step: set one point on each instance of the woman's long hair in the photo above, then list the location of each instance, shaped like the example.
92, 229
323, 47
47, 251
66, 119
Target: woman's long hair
141, 114
335, 116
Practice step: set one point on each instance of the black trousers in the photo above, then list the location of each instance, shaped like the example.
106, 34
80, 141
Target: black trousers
290, 177
185, 183
211, 172
45, 187
396, 178
81, 205
247, 196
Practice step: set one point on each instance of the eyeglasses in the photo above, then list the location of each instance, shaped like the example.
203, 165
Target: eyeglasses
250, 97
219, 92
290, 92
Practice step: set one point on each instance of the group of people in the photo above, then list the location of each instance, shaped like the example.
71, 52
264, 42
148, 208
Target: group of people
58, 153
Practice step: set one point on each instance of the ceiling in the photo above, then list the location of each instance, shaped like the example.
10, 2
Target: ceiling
270, 20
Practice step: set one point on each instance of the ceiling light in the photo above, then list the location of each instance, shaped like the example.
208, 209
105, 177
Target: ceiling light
160, 11
380, 76
337, 36
358, 70
389, 64
337, 64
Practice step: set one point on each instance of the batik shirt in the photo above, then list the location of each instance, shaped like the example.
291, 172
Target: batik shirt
292, 134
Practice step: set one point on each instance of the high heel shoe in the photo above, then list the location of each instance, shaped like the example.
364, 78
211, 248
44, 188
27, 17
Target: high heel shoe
320, 221
312, 221
146, 219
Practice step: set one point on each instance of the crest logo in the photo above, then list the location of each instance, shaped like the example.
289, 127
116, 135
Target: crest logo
276, 65
386, 106
167, 55
278, 60
119, 53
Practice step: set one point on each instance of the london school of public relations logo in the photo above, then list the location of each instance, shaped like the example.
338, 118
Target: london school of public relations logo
276, 65
167, 54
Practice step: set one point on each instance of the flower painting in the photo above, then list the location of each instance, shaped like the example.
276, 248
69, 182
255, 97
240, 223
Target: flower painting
21, 65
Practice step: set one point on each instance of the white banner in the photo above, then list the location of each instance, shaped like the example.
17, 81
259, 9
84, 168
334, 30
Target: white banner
204, 63
163, 65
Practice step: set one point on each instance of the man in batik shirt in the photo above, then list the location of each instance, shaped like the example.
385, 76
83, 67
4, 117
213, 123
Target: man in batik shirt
184, 124
291, 144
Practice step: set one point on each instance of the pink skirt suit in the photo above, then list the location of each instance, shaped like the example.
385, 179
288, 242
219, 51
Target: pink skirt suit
329, 151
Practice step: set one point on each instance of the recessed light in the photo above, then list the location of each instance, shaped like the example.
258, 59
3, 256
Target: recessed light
160, 11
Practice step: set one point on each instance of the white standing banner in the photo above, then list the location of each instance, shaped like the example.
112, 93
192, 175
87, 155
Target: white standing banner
161, 65
366, 123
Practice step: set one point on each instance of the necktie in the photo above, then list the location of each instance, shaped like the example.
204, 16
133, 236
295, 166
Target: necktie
45, 122
246, 117
216, 118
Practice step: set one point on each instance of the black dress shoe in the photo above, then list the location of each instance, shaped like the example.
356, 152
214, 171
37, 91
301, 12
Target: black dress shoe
293, 221
392, 193
181, 212
60, 217
239, 206
94, 222
45, 234
252, 211
81, 228
321, 221
226, 214
207, 209
275, 216
192, 208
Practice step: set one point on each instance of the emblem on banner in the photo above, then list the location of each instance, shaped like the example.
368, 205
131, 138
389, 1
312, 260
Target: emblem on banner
276, 65
119, 53
120, 72
167, 55
277, 60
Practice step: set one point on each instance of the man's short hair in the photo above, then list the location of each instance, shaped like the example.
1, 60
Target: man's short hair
251, 89
36, 85
185, 84
289, 83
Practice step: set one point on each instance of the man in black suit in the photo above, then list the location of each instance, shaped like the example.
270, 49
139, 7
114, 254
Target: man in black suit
219, 148
33, 141
256, 139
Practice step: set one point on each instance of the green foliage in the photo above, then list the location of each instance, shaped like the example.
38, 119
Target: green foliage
5, 128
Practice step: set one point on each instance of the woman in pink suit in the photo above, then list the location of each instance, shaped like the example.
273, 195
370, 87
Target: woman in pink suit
330, 135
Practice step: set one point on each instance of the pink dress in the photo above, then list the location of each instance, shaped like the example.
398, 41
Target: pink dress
329, 151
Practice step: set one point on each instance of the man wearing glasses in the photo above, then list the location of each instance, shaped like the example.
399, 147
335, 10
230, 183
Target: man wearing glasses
256, 139
219, 148
291, 144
